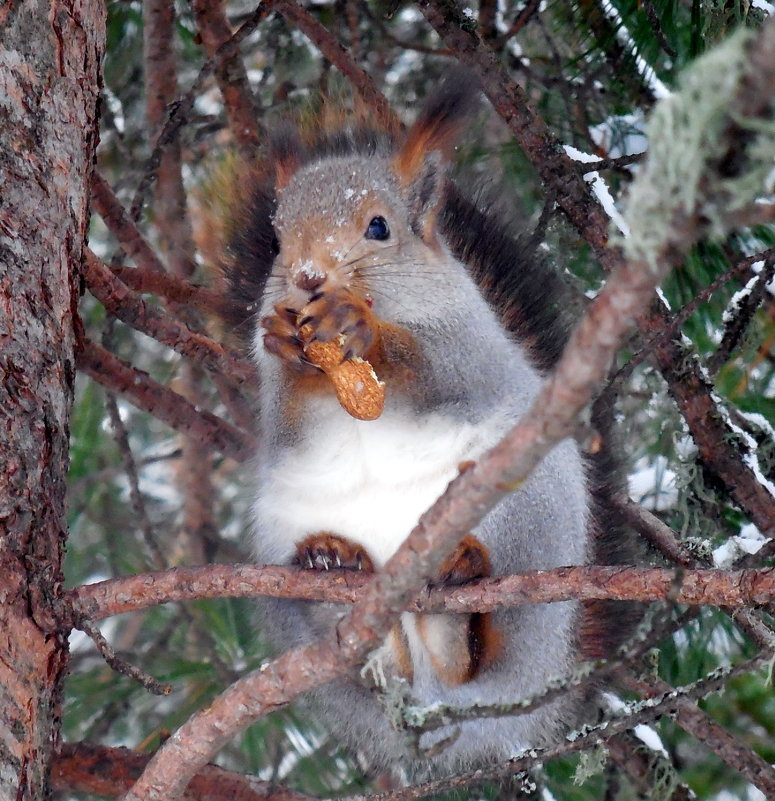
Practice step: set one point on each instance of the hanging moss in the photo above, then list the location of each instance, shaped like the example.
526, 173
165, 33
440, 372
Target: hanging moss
689, 174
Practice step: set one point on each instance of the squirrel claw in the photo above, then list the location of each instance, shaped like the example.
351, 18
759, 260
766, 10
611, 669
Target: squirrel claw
339, 313
324, 551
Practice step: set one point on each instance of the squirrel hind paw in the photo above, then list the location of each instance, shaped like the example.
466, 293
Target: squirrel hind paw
327, 551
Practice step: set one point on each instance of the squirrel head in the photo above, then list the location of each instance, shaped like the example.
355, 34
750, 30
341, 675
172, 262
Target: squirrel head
361, 205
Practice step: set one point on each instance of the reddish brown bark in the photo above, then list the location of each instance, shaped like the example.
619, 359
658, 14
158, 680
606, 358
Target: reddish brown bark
125, 305
175, 232
231, 75
728, 588
86, 768
177, 290
49, 77
121, 225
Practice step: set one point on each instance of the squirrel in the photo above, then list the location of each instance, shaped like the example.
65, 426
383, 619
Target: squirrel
358, 239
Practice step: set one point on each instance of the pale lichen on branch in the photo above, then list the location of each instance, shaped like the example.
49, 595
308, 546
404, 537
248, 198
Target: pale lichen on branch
708, 158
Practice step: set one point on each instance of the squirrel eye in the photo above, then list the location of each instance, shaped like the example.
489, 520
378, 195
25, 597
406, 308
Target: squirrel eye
378, 229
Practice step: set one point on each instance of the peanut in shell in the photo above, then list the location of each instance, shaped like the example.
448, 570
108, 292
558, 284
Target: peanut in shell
359, 392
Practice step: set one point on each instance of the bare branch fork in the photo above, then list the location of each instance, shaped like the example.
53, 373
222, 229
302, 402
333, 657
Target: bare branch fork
125, 305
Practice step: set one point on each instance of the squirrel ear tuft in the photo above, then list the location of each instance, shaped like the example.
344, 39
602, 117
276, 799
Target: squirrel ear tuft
424, 196
439, 125
421, 161
285, 151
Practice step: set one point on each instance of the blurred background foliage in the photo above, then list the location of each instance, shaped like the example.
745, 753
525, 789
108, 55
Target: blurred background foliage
593, 69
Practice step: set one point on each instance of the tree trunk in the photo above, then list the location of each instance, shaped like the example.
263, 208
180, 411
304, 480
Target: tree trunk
50, 57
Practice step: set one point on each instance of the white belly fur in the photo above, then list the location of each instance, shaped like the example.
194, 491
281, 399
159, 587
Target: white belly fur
367, 481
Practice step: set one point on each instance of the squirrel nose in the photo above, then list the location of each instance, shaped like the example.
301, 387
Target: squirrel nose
308, 276
309, 282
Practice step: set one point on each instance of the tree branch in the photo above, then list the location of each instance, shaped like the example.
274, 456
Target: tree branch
692, 719
121, 225
177, 290
635, 714
361, 81
694, 396
697, 587
230, 72
165, 404
103, 771
131, 309
178, 112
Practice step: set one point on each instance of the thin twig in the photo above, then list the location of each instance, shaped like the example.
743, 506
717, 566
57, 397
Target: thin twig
634, 715
238, 99
655, 531
646, 768
619, 163
653, 18
692, 719
667, 541
135, 496
178, 112
520, 21
739, 319
120, 665
678, 320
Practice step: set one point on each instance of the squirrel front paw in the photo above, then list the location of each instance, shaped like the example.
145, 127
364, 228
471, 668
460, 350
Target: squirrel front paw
326, 551
281, 338
340, 312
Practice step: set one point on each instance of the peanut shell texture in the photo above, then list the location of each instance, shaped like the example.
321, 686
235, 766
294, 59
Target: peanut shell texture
359, 392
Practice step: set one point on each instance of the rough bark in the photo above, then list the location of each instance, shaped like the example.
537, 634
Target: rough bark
50, 57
